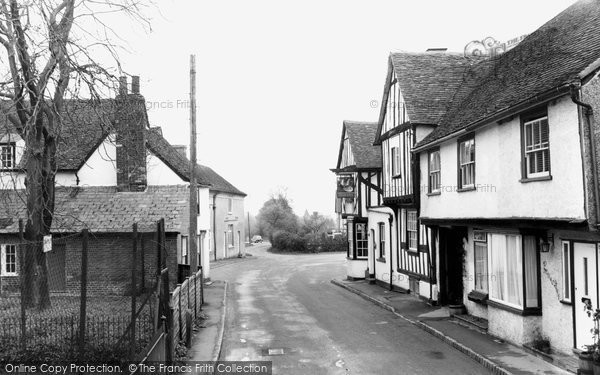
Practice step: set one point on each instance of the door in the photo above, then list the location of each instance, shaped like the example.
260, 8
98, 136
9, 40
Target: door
451, 264
585, 282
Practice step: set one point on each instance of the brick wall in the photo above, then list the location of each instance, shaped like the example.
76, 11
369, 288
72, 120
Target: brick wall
109, 263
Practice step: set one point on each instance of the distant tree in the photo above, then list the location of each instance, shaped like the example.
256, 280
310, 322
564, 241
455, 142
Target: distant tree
277, 214
316, 223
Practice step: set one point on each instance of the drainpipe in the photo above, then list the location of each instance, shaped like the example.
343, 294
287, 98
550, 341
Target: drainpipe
391, 220
587, 113
214, 234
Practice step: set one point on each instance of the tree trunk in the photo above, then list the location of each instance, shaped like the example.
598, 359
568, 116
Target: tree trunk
40, 206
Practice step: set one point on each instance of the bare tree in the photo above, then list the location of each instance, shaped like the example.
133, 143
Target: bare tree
56, 50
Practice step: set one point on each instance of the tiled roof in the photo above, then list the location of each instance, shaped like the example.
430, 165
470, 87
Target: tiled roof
104, 210
181, 165
361, 136
552, 56
428, 82
86, 125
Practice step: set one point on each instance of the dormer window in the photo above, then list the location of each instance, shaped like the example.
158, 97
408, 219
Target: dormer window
7, 156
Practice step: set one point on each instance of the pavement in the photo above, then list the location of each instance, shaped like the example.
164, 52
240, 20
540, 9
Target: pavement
494, 354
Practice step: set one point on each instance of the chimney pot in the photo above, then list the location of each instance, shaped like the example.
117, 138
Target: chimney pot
135, 84
123, 85
181, 149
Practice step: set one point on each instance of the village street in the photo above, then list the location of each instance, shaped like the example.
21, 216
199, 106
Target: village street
288, 302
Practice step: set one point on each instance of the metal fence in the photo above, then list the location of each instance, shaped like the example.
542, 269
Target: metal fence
57, 306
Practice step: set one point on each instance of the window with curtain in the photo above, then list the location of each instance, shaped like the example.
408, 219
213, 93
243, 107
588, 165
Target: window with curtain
481, 263
412, 228
382, 240
184, 250
466, 163
509, 254
395, 162
434, 172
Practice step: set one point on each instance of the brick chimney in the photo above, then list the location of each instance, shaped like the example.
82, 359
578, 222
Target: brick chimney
130, 123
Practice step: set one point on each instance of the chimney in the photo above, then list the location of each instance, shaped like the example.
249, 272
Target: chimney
130, 124
181, 149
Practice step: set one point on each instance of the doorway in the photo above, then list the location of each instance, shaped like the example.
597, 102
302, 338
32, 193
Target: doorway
451, 264
585, 284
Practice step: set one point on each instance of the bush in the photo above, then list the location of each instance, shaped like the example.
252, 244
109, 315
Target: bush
286, 241
309, 243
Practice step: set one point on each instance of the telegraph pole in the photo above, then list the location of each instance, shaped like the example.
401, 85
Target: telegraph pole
193, 234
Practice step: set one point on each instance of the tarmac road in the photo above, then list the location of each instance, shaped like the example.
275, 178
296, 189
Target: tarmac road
287, 304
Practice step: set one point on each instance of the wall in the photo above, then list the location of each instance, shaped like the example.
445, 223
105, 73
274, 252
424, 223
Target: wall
498, 171
223, 217
590, 93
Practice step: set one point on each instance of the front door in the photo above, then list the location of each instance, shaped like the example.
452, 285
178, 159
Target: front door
451, 264
585, 282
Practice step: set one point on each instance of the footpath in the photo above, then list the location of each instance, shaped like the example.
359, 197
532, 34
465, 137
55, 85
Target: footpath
494, 354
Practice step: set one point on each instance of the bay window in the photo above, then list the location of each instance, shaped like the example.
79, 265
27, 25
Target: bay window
513, 270
362, 244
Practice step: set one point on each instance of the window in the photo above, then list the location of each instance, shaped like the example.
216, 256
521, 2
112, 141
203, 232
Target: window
566, 271
362, 244
230, 205
481, 261
412, 228
382, 240
230, 239
509, 256
395, 162
537, 148
466, 163
7, 156
185, 259
435, 181
8, 260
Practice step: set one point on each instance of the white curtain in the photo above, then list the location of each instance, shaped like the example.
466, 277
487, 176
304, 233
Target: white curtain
531, 271
514, 270
497, 265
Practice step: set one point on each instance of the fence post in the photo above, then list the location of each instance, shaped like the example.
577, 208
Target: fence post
143, 263
22, 249
201, 287
133, 290
179, 308
83, 303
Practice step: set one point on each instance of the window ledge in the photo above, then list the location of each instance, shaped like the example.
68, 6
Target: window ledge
523, 312
434, 193
566, 302
395, 177
470, 188
478, 297
382, 260
9, 275
533, 179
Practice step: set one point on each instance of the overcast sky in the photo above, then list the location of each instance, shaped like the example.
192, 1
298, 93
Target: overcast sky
276, 79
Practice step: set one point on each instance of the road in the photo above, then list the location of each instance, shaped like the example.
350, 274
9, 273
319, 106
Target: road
286, 303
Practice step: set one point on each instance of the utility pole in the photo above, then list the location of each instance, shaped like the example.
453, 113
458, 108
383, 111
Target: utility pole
249, 239
193, 234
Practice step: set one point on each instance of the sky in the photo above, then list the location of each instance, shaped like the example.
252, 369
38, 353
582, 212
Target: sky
276, 79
